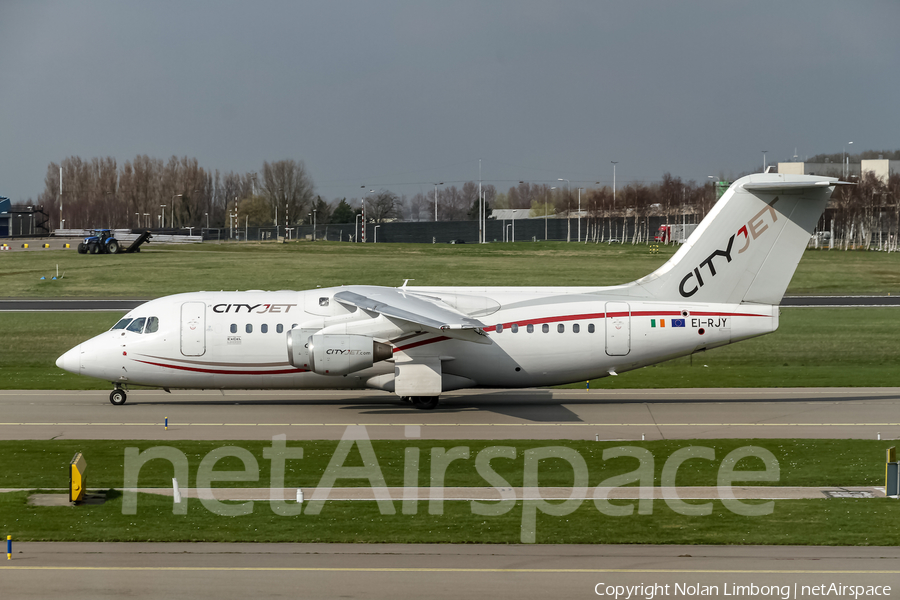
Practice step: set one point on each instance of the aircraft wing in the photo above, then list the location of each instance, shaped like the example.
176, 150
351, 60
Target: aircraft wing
422, 312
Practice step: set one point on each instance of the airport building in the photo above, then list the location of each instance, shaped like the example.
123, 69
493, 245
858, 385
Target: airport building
881, 167
5, 216
22, 221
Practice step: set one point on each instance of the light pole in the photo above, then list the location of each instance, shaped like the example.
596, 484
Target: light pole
546, 212
173, 206
715, 186
514, 224
435, 198
579, 213
162, 207
568, 190
363, 205
614, 163
137, 218
847, 169
147, 218
207, 221
314, 224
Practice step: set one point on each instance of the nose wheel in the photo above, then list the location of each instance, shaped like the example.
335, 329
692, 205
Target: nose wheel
425, 402
118, 397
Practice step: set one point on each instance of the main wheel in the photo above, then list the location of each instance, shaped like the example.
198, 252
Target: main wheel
426, 402
118, 397
82, 248
94, 248
112, 247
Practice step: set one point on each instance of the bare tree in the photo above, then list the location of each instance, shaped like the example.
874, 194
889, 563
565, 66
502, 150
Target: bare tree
383, 207
287, 185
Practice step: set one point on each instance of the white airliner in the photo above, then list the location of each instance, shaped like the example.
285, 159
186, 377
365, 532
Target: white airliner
722, 286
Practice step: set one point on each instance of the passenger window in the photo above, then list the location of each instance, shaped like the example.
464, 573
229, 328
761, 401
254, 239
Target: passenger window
530, 329
323, 301
561, 328
545, 328
264, 328
248, 328
122, 324
576, 328
152, 325
500, 328
514, 328
137, 325
279, 328
293, 326
591, 328
233, 328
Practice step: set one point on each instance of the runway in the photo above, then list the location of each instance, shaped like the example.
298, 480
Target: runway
862, 413
222, 571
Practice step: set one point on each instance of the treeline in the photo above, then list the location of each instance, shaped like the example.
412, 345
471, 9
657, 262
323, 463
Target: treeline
147, 192
866, 215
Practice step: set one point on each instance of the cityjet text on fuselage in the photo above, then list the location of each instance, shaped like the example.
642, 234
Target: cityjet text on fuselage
252, 308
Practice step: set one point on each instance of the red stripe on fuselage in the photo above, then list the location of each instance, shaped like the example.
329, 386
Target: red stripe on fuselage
636, 313
223, 372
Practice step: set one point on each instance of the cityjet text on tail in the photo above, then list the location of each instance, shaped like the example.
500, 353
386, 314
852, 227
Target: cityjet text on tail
723, 285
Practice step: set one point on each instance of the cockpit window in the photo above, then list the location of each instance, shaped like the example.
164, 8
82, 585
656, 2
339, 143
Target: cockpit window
152, 325
137, 325
121, 324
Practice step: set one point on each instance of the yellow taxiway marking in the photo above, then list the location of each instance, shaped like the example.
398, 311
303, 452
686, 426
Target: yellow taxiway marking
462, 570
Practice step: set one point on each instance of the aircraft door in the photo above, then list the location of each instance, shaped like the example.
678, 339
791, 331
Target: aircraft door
193, 328
618, 328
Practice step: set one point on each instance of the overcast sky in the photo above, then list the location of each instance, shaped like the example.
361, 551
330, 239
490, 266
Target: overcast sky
398, 95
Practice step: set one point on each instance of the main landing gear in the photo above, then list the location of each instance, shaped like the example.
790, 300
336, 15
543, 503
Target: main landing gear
118, 396
422, 402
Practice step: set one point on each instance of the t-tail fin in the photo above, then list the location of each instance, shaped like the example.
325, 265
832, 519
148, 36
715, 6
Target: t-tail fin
748, 246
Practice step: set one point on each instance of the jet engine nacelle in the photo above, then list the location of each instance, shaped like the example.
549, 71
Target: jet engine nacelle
342, 354
298, 347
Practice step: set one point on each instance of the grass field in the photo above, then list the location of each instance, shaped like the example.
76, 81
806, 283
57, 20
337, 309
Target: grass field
802, 462
845, 522
162, 270
44, 463
853, 347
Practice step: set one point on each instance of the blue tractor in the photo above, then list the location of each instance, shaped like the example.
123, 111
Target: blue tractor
101, 241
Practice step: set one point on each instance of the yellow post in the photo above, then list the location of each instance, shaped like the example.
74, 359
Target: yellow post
9, 547
77, 478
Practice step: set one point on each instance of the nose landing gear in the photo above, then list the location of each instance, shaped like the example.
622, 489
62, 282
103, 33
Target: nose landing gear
422, 402
118, 396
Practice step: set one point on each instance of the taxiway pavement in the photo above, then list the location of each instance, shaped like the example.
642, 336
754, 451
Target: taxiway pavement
861, 413
223, 571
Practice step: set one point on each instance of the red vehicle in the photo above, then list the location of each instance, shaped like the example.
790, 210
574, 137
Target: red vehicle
674, 233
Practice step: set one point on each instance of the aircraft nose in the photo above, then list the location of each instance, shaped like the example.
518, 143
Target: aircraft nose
71, 360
